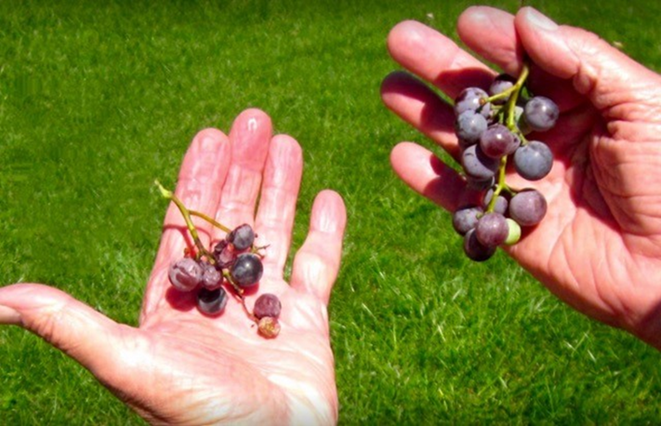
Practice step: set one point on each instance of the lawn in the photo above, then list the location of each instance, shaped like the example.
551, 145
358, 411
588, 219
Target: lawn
99, 99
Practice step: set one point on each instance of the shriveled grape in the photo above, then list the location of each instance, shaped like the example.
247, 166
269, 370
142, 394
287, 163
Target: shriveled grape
212, 278
267, 305
185, 274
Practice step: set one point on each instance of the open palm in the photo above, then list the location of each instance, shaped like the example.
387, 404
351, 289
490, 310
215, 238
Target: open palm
181, 367
598, 248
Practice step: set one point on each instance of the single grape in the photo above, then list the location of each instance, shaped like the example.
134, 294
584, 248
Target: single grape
498, 141
475, 250
212, 278
478, 165
479, 184
469, 126
491, 229
246, 270
540, 113
465, 219
527, 207
472, 98
500, 205
533, 161
267, 305
185, 274
268, 327
514, 232
211, 302
501, 83
224, 254
241, 237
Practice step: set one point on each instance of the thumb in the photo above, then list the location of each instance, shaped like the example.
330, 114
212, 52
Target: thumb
75, 328
598, 70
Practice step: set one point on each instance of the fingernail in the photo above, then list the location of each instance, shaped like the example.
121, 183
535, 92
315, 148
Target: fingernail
477, 14
208, 145
542, 22
9, 316
208, 140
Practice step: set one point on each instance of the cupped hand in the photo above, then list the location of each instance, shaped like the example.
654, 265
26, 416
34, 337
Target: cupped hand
599, 246
182, 367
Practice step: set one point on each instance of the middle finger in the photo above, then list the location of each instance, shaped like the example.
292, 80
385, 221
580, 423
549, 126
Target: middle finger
249, 139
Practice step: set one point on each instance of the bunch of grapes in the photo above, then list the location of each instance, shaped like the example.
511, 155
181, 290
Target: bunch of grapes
234, 261
493, 128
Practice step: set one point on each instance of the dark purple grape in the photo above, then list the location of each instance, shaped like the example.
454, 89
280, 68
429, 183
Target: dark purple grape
465, 219
492, 229
475, 250
185, 274
528, 207
211, 302
500, 205
500, 84
212, 278
498, 141
479, 184
469, 126
224, 254
540, 113
267, 305
478, 165
533, 161
241, 237
472, 99
246, 270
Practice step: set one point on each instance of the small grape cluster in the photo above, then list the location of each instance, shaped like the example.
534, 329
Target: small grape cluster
491, 127
233, 261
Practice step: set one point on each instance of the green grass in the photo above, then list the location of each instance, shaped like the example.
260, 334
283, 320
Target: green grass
98, 100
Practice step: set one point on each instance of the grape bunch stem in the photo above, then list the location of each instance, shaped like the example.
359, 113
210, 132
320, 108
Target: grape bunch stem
512, 96
201, 250
186, 214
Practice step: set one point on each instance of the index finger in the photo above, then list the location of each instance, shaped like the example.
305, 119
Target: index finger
436, 58
202, 174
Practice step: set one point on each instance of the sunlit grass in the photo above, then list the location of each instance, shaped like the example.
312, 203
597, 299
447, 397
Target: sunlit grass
97, 101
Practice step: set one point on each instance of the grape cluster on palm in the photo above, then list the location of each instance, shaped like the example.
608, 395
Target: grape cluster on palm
234, 261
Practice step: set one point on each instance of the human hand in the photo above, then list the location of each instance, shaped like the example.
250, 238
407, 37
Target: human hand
598, 248
181, 367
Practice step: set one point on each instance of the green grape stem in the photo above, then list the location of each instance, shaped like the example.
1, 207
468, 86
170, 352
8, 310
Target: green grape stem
210, 220
238, 290
512, 100
508, 112
189, 222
